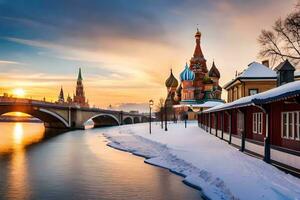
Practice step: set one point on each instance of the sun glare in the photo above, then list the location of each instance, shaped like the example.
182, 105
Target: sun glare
19, 92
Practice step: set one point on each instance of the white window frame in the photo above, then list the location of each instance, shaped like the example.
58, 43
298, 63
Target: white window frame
293, 124
260, 123
257, 123
254, 122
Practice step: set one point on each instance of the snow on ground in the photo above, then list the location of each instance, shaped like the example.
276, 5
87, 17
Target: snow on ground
220, 170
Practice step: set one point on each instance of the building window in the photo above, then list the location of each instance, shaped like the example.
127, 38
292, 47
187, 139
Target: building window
257, 124
253, 91
290, 125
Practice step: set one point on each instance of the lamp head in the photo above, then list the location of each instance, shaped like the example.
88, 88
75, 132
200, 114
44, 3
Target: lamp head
151, 103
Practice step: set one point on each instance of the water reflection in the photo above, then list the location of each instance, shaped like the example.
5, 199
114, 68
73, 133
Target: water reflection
18, 133
13, 137
78, 165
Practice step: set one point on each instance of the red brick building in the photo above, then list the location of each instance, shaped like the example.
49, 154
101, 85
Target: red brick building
266, 124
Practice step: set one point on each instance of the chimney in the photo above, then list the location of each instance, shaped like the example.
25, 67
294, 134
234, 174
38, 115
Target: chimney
265, 63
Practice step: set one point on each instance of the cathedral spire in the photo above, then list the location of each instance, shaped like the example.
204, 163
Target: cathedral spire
79, 75
198, 52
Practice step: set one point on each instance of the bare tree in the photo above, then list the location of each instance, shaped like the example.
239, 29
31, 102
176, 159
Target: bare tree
160, 104
283, 41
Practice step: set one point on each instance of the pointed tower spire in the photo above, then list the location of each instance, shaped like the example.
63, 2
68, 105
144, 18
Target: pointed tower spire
79, 74
198, 52
61, 97
79, 97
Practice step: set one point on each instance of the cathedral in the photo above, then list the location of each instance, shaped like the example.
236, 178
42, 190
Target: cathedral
198, 89
78, 98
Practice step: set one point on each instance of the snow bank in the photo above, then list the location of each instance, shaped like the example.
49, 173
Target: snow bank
206, 162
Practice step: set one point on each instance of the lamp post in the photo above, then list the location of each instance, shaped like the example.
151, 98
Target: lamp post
151, 103
166, 118
161, 118
185, 119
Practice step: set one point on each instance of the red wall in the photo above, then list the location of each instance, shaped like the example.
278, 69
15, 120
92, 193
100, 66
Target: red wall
219, 124
226, 121
234, 122
249, 123
212, 120
276, 109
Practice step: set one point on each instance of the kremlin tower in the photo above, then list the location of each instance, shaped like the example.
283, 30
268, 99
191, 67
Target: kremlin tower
61, 98
79, 97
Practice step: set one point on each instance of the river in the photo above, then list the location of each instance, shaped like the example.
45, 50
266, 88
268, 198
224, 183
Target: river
78, 165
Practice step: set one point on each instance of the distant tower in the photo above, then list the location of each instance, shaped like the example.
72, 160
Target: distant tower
61, 98
69, 99
79, 97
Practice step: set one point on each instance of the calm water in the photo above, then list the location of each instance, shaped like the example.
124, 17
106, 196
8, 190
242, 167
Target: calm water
78, 165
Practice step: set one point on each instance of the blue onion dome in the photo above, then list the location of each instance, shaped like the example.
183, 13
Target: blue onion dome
187, 74
171, 81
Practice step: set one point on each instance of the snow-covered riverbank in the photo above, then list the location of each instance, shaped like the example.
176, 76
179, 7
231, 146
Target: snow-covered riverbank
220, 170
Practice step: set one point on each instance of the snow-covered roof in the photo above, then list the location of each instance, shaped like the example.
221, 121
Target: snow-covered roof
255, 70
207, 104
297, 73
275, 94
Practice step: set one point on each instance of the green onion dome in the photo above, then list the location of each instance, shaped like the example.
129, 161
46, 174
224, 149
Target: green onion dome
171, 81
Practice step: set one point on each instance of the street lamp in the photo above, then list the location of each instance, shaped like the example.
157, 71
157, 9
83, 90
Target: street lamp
166, 118
151, 103
185, 119
161, 118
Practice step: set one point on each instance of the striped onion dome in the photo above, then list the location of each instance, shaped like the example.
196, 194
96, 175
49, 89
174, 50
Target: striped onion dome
187, 74
171, 81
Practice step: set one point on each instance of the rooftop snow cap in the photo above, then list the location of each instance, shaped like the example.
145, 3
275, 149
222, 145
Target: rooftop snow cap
257, 70
187, 74
171, 81
214, 72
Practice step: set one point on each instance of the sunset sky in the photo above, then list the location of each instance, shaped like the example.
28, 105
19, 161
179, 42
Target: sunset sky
124, 47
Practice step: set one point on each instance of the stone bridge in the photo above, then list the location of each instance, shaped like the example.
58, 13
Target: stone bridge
57, 116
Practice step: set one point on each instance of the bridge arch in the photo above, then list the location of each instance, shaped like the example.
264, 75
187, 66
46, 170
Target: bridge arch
50, 119
145, 119
101, 120
56, 116
128, 120
136, 120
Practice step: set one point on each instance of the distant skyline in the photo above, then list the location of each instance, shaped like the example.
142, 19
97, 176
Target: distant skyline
124, 47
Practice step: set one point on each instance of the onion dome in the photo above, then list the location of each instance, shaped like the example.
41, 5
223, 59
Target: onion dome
171, 81
187, 74
214, 72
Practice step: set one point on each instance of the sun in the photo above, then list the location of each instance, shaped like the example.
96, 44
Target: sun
19, 92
